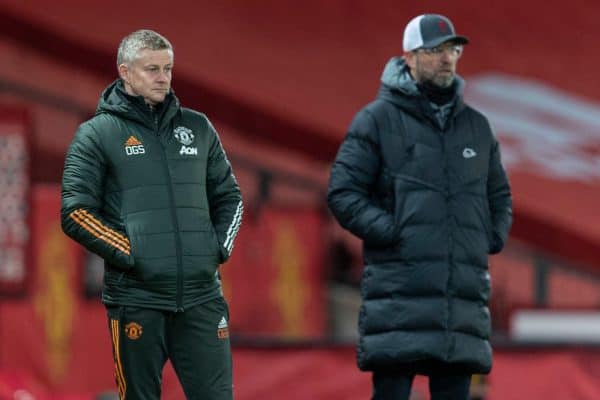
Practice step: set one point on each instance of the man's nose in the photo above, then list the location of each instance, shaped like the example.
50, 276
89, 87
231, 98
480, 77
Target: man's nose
447, 56
163, 76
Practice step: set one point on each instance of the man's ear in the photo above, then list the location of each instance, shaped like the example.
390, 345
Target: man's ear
124, 72
410, 58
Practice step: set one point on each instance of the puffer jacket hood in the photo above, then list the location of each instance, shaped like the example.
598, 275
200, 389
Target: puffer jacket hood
115, 100
396, 76
399, 87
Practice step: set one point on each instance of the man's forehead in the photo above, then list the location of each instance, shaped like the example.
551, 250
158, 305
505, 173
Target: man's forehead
159, 57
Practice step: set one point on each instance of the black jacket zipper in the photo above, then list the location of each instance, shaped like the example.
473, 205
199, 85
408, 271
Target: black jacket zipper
179, 294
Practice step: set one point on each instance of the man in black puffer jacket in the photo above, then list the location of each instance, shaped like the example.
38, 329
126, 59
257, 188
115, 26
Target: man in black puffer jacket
419, 179
148, 187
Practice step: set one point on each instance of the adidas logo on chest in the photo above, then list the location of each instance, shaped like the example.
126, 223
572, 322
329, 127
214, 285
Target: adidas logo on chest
133, 146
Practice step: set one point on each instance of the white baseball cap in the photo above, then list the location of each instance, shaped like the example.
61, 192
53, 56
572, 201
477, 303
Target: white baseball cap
429, 30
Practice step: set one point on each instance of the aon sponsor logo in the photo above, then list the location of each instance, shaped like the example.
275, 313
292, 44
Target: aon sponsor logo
189, 151
133, 150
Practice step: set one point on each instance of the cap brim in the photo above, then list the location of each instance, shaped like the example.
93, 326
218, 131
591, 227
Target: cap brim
450, 38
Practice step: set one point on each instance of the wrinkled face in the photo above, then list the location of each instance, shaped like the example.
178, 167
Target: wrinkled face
436, 65
149, 75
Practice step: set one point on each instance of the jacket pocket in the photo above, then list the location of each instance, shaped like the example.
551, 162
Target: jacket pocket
121, 259
132, 244
406, 209
487, 225
219, 250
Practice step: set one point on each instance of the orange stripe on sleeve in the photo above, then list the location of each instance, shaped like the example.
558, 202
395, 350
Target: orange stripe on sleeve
101, 228
95, 231
91, 217
100, 231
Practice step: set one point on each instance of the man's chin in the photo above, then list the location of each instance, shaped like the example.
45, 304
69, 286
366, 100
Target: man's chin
157, 99
445, 82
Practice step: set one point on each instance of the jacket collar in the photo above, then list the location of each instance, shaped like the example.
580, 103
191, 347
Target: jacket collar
398, 87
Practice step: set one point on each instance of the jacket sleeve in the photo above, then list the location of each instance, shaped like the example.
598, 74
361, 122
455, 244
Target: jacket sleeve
81, 201
499, 198
351, 183
224, 196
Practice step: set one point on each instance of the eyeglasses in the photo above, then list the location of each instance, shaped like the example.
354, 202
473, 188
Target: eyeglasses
454, 49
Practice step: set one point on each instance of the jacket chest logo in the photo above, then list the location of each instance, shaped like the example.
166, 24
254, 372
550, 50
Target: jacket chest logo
186, 138
133, 146
469, 152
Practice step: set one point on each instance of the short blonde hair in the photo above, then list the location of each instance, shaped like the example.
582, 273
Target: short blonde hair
143, 39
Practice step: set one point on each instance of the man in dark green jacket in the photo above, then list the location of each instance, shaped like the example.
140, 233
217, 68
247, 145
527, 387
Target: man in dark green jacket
419, 179
148, 187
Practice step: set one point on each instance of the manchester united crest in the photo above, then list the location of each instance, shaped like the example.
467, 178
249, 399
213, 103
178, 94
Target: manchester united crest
133, 330
184, 135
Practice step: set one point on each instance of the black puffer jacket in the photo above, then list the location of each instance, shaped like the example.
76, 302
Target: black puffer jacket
430, 203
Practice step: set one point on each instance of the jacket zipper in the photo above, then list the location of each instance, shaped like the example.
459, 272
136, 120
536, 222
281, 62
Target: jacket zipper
450, 222
179, 294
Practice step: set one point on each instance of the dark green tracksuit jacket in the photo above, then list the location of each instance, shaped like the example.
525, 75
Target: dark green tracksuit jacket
153, 194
